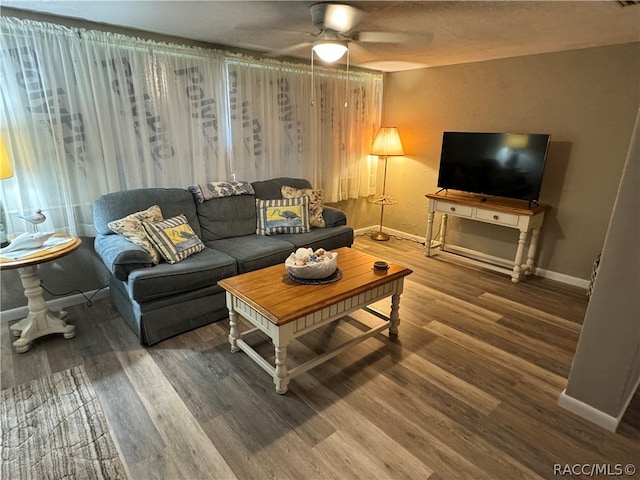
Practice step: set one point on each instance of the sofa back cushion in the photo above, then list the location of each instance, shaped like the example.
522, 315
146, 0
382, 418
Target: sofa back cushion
271, 189
117, 205
227, 217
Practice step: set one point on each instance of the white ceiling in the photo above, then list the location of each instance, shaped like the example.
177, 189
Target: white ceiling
435, 32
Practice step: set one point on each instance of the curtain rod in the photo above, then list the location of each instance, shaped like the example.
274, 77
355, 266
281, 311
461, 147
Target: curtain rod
14, 23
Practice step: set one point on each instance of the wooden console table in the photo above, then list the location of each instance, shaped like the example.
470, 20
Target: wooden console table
503, 212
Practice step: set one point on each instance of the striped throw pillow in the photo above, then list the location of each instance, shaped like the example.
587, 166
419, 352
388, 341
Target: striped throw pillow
174, 238
289, 215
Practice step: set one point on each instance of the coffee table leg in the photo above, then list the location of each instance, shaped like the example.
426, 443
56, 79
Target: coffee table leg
234, 332
394, 317
281, 376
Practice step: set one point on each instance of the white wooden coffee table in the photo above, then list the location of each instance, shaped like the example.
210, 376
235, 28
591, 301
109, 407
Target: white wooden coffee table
283, 309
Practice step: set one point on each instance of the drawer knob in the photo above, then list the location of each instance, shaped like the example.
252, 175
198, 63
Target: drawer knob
496, 217
453, 209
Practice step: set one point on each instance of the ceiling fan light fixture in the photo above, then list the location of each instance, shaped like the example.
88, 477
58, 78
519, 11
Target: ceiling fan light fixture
330, 50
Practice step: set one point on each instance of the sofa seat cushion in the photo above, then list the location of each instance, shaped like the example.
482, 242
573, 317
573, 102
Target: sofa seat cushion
253, 252
200, 270
328, 238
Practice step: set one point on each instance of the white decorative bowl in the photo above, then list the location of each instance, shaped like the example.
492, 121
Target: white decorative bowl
313, 270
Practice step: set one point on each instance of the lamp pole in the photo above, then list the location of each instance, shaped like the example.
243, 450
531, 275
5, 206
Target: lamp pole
380, 235
386, 142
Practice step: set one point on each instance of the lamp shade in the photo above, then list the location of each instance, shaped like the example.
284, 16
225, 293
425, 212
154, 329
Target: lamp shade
330, 50
5, 166
387, 142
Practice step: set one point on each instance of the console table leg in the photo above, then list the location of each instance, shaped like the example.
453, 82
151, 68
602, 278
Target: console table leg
443, 230
517, 263
531, 254
427, 240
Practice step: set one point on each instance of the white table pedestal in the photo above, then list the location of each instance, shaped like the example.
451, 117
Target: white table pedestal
40, 321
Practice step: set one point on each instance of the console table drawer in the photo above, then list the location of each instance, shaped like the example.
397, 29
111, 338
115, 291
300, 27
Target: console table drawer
497, 217
453, 208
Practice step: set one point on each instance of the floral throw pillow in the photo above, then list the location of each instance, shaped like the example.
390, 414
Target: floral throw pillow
316, 202
130, 227
210, 190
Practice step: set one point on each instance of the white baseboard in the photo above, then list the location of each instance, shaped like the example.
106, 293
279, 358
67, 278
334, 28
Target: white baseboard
594, 415
540, 272
562, 278
389, 231
588, 412
55, 304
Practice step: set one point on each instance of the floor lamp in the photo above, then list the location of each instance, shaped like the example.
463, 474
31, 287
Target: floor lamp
386, 144
5, 172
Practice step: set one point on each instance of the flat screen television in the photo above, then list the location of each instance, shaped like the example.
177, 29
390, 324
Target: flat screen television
497, 164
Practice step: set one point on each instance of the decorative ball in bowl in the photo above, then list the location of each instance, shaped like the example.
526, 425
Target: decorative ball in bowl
305, 263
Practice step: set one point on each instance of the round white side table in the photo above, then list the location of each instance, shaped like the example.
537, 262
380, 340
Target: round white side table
40, 321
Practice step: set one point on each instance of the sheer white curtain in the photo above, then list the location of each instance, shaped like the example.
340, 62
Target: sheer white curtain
279, 127
270, 117
347, 116
85, 113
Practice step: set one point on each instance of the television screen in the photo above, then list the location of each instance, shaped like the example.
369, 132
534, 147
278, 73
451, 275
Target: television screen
497, 164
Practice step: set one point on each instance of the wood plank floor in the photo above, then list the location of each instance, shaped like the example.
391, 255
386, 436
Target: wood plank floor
467, 391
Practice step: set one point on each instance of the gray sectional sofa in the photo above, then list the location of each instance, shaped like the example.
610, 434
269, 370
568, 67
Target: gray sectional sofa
163, 300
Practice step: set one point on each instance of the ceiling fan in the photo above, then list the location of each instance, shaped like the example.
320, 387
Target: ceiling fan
336, 24
334, 20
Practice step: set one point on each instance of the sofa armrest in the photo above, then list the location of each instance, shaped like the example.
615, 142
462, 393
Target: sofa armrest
120, 255
334, 217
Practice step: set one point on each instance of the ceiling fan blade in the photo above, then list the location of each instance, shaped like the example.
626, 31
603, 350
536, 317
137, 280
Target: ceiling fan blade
335, 16
283, 52
381, 37
358, 50
393, 37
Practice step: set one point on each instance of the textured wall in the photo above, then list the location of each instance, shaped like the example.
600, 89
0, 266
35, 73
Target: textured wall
80, 270
586, 99
606, 367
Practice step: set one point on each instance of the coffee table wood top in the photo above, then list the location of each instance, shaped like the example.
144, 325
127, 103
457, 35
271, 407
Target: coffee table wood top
281, 300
